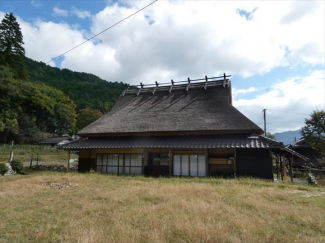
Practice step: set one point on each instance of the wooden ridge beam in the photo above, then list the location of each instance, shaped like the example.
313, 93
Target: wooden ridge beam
141, 84
188, 85
171, 87
153, 92
206, 82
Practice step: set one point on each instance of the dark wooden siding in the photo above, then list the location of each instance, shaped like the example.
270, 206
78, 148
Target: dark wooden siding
161, 170
254, 162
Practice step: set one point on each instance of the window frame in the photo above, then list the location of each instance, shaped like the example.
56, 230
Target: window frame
121, 165
188, 166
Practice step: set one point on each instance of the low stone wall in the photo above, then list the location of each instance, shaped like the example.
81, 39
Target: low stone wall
54, 167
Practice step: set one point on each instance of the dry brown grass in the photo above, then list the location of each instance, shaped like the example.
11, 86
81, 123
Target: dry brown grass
102, 208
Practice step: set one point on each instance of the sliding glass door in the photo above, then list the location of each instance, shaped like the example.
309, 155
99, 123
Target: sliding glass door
189, 165
120, 164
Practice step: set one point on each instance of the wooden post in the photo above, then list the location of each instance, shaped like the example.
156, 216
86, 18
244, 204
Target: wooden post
284, 171
141, 84
207, 171
11, 155
291, 164
188, 85
277, 167
235, 163
171, 87
281, 162
31, 160
170, 161
68, 162
206, 82
142, 173
271, 156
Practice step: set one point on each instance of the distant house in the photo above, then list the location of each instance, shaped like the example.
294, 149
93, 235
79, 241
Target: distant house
56, 140
186, 128
304, 149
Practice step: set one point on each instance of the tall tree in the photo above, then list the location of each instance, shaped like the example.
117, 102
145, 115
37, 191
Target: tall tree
12, 52
314, 131
270, 135
87, 116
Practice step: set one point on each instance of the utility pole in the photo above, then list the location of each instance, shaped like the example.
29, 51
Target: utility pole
264, 111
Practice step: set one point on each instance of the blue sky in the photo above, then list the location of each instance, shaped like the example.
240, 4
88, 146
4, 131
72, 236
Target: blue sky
274, 50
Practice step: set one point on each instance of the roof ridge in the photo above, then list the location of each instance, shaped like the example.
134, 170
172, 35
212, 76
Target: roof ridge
205, 83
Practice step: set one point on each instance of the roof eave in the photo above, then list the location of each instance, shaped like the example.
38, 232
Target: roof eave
170, 133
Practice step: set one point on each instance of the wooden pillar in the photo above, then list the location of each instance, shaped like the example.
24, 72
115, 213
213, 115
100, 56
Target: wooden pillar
277, 167
291, 164
235, 163
68, 162
207, 171
271, 156
170, 155
281, 162
284, 171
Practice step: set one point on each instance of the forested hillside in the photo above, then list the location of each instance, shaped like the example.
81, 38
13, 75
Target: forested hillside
30, 111
37, 101
86, 90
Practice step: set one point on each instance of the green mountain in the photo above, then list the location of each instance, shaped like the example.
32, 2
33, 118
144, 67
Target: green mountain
86, 90
288, 137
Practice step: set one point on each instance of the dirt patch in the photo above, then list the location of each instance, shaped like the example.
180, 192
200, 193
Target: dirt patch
58, 185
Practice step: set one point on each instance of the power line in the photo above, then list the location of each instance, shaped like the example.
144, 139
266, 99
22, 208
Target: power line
102, 31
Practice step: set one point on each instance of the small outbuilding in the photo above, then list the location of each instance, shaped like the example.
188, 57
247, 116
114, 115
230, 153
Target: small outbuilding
304, 149
186, 128
56, 140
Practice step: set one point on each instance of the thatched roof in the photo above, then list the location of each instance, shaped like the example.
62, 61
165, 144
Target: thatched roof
197, 110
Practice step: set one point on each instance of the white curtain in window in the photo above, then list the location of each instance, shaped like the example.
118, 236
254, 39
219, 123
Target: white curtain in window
127, 159
115, 159
202, 165
136, 171
112, 170
193, 165
177, 165
185, 166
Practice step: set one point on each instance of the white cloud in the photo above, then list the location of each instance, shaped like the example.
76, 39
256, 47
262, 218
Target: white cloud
287, 102
45, 40
180, 39
197, 38
36, 3
299, 10
237, 92
82, 14
60, 12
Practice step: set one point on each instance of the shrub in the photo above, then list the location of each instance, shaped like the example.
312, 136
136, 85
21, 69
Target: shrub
3, 168
17, 166
298, 174
311, 179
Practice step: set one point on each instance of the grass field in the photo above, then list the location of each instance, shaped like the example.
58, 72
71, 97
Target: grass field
72, 207
44, 154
